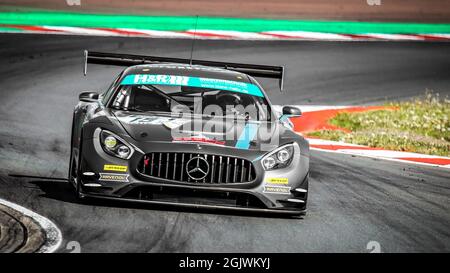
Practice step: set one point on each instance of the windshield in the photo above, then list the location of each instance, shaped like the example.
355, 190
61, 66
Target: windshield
205, 96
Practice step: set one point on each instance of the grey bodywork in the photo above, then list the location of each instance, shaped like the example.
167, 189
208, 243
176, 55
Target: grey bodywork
88, 156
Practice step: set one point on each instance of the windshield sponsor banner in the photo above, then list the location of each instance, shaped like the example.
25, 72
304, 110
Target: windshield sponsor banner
233, 86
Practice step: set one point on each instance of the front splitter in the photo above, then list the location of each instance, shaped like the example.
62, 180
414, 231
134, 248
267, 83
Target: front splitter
280, 212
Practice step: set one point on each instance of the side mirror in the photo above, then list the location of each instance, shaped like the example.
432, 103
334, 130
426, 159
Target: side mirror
88, 96
290, 111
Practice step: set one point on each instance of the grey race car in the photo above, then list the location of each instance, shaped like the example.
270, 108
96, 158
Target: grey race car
191, 133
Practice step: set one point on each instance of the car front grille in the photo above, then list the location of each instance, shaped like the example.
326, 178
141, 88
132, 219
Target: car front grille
220, 169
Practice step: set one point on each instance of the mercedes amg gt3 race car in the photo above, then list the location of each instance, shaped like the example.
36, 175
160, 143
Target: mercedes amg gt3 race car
191, 133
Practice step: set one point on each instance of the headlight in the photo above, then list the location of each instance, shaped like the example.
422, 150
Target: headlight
123, 151
279, 158
110, 142
114, 145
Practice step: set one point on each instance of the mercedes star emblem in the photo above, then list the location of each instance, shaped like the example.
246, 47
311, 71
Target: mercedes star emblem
197, 168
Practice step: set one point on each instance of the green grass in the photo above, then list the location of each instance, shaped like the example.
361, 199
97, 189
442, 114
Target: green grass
421, 125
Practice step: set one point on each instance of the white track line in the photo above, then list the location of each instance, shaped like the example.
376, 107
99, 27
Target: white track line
318, 141
52, 232
239, 35
83, 31
438, 35
205, 34
395, 37
309, 108
158, 33
375, 152
310, 35
350, 152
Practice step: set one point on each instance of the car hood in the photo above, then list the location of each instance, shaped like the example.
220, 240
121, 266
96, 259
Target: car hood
150, 127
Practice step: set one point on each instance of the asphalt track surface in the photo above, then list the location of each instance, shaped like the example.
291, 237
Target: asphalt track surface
353, 200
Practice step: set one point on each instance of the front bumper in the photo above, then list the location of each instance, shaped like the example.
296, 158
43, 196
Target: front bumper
196, 196
281, 191
290, 212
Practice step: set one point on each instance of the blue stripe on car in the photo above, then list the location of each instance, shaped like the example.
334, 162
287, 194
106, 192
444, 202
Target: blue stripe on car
247, 135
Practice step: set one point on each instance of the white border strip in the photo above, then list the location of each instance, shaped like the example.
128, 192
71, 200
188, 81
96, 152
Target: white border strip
52, 232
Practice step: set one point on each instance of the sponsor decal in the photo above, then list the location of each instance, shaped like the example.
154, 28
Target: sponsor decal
115, 168
277, 189
227, 85
139, 119
278, 180
117, 177
199, 138
175, 123
169, 122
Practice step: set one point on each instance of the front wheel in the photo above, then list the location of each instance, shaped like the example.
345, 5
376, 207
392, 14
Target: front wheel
74, 176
